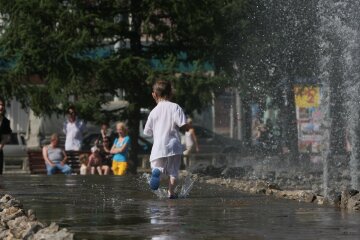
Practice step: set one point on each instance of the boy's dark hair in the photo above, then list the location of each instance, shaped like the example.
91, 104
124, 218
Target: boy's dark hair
71, 107
162, 88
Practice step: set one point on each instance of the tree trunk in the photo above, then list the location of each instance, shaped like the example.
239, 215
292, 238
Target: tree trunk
135, 37
134, 108
133, 123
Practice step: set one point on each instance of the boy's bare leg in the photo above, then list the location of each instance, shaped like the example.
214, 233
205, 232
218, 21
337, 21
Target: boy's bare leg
92, 170
172, 185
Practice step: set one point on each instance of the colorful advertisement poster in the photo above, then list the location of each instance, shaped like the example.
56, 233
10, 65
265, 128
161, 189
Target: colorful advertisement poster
307, 100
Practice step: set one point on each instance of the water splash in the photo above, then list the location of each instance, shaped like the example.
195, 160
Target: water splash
182, 190
339, 62
324, 65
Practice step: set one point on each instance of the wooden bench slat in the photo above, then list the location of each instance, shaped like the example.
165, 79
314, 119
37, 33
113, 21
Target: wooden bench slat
37, 162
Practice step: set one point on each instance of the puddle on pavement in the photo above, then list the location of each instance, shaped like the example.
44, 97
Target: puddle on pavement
112, 207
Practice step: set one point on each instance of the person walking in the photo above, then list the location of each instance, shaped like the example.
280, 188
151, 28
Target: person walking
163, 124
5, 132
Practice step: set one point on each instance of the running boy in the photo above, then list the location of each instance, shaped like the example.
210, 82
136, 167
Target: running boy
163, 124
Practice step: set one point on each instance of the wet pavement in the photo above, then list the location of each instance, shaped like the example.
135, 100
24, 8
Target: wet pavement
112, 207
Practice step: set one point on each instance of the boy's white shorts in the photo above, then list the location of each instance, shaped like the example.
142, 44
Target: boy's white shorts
168, 165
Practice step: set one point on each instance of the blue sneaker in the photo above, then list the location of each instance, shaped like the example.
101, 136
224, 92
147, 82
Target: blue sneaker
155, 179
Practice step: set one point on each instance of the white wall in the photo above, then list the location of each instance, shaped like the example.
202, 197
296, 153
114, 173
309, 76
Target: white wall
19, 117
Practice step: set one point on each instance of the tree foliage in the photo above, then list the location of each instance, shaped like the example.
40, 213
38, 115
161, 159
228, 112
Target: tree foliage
68, 46
54, 53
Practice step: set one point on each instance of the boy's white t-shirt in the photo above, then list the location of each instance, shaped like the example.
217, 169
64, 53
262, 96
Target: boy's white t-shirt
163, 124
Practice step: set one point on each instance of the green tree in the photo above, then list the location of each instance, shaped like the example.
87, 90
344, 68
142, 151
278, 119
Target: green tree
88, 49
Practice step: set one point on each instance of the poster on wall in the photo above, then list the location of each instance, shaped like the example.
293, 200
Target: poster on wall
307, 100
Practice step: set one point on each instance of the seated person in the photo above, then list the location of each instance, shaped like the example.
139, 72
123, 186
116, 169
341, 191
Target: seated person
84, 159
55, 157
95, 161
106, 156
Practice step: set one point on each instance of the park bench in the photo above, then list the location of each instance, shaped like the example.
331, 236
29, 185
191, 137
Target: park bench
37, 162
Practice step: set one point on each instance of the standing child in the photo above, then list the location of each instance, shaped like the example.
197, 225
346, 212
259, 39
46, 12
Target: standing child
84, 159
191, 143
120, 150
163, 124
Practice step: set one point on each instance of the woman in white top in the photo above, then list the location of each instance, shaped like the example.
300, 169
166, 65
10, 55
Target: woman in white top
74, 129
191, 143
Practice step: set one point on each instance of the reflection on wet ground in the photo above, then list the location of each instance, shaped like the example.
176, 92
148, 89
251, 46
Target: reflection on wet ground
124, 208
